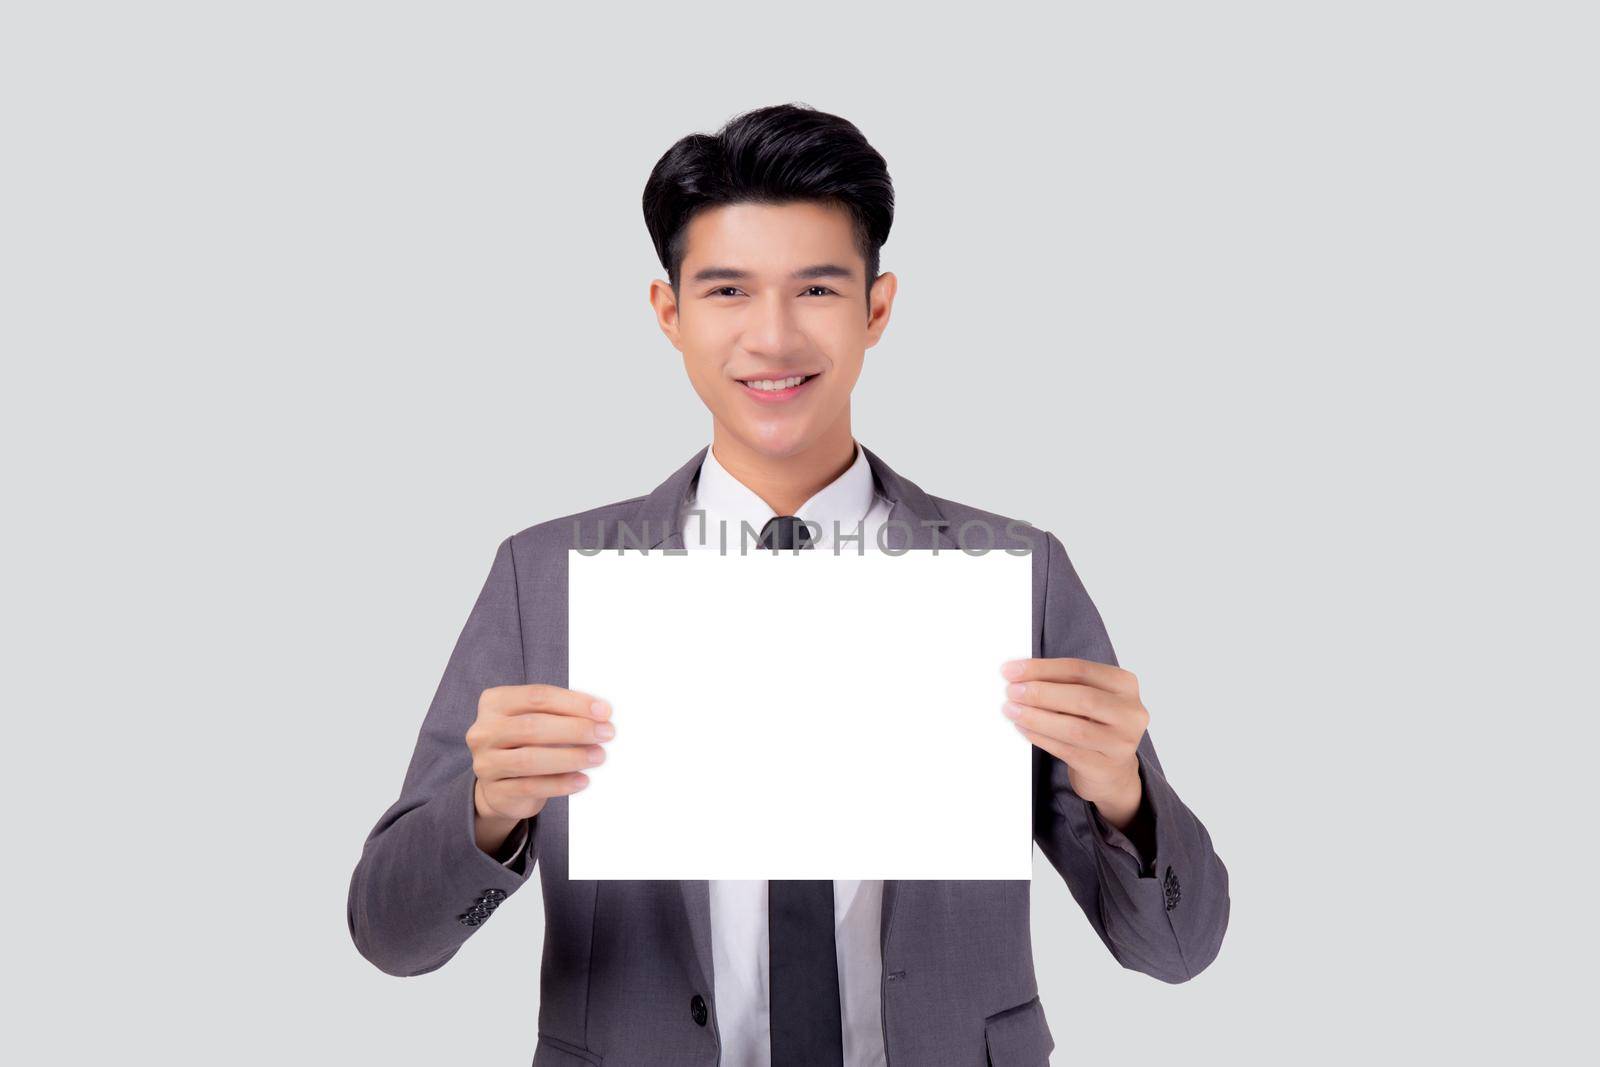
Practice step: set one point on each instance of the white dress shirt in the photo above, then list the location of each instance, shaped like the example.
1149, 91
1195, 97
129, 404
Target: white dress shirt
739, 947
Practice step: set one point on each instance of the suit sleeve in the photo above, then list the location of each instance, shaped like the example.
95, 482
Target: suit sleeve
1163, 915
422, 885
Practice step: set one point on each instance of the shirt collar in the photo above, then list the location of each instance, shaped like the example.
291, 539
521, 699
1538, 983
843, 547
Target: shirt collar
846, 500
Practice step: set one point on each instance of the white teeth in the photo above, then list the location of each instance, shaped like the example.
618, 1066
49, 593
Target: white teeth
768, 385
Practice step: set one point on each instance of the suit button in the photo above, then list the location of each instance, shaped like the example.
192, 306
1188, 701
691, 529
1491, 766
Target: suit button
697, 1008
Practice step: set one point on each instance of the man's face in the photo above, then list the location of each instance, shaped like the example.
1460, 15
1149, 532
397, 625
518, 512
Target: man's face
768, 294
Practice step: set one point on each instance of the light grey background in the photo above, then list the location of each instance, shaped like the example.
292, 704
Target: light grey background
1282, 316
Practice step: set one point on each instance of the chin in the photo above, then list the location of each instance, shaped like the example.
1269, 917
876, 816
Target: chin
777, 442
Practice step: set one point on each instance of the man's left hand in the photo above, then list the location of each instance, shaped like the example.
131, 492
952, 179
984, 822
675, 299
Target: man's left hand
1089, 716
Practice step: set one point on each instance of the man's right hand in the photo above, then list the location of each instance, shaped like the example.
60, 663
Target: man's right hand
528, 744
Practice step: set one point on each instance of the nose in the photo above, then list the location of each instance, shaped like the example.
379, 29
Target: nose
771, 330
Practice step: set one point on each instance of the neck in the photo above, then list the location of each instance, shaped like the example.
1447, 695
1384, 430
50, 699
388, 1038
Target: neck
786, 482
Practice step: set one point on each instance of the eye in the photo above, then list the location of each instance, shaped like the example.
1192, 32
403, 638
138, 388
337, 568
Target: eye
723, 289
825, 290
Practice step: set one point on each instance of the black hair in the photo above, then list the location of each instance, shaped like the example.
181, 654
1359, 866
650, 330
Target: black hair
771, 155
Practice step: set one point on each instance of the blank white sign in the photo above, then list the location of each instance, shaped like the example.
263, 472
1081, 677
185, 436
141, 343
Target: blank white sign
802, 715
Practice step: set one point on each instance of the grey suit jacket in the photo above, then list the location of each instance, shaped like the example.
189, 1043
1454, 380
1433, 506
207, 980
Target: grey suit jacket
626, 973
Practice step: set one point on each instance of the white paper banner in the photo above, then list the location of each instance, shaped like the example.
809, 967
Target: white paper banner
802, 715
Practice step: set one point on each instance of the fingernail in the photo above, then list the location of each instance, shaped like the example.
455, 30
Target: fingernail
605, 731
1011, 710
1016, 690
583, 780
600, 709
597, 755
1013, 668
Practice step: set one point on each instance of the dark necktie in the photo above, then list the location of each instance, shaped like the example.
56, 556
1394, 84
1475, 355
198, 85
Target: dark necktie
785, 531
803, 975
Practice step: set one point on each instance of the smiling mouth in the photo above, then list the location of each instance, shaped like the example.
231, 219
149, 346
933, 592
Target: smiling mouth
777, 383
776, 388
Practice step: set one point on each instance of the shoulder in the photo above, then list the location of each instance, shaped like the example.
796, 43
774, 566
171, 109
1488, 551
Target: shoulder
556, 536
971, 529
533, 561
975, 528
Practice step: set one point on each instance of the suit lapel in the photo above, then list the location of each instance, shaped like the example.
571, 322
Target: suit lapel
914, 521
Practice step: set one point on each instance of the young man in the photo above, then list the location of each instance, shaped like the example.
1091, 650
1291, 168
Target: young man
770, 232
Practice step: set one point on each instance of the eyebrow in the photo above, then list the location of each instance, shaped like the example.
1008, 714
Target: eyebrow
734, 274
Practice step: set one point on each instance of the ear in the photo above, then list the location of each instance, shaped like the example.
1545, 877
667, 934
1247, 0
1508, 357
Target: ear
880, 302
665, 305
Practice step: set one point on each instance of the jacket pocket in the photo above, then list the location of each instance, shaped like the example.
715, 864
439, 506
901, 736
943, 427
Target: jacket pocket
553, 1052
1019, 1036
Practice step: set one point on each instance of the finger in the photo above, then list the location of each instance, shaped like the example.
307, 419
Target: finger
550, 699
1070, 729
1086, 760
1065, 669
536, 760
545, 785
539, 728
1068, 698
